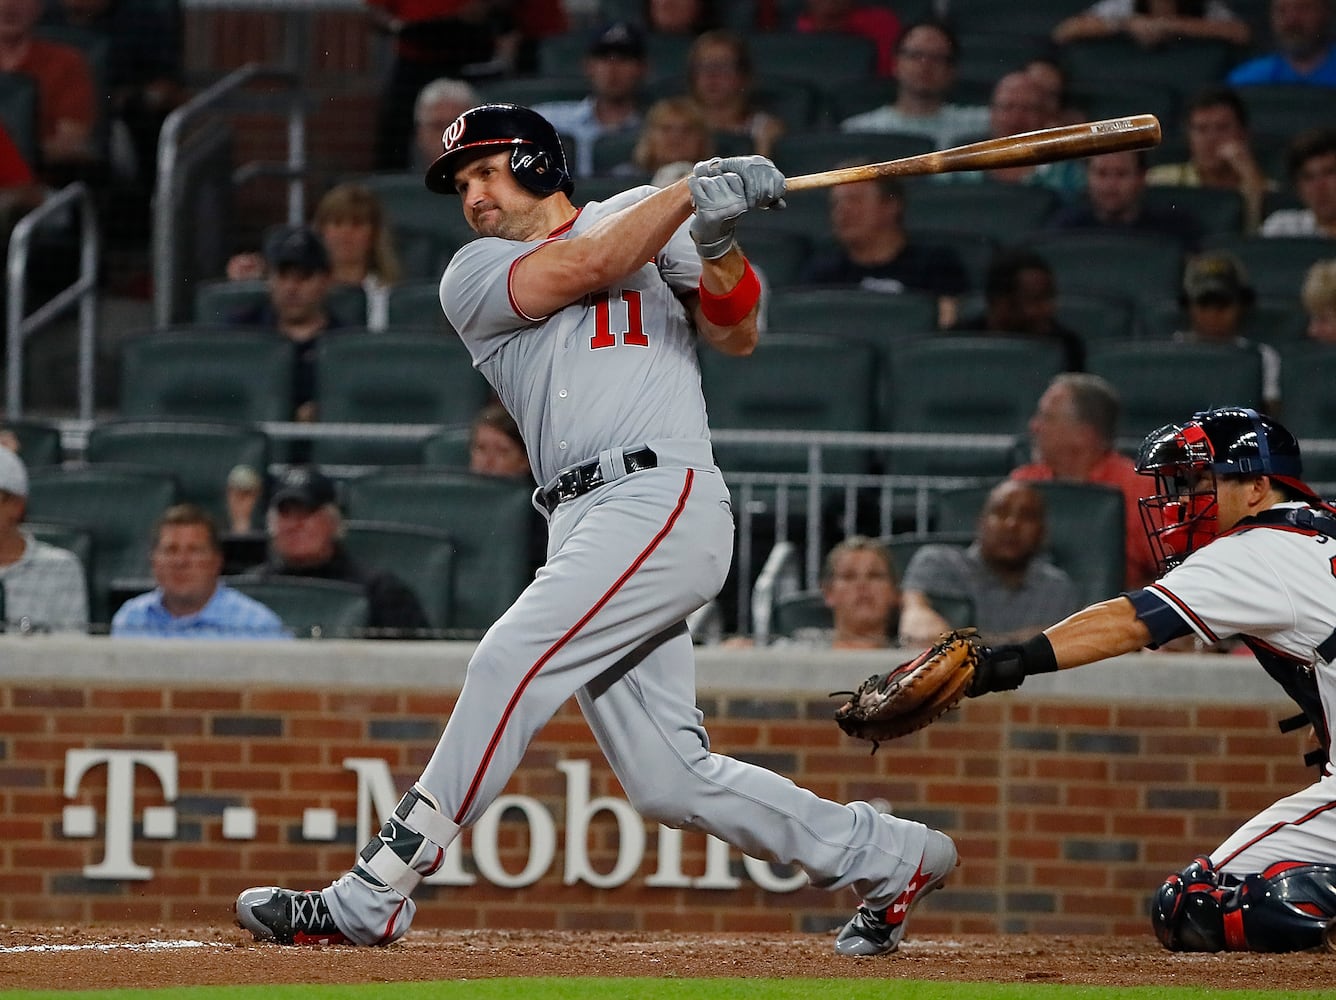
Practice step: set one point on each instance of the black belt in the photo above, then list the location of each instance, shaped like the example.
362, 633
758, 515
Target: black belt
580, 480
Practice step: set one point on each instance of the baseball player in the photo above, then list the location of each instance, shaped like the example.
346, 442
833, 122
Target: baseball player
1250, 551
586, 322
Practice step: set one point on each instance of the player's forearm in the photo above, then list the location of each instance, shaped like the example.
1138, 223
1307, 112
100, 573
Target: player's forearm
720, 277
1110, 628
621, 244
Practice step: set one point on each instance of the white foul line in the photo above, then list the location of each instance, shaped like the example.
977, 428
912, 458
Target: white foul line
105, 946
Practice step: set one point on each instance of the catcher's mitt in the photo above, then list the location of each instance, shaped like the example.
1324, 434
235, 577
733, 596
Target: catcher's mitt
913, 694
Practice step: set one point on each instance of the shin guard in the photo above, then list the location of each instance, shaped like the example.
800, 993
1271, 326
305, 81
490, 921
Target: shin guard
371, 902
1287, 907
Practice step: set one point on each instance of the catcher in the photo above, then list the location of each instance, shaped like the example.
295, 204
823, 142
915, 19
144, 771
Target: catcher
1247, 549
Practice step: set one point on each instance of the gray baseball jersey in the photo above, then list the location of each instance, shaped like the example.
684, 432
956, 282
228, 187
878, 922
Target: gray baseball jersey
617, 369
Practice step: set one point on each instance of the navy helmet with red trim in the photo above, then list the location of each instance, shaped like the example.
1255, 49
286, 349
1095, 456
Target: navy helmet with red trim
537, 158
1180, 516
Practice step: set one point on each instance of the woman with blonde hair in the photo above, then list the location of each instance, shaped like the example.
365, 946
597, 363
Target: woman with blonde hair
1319, 298
351, 222
673, 137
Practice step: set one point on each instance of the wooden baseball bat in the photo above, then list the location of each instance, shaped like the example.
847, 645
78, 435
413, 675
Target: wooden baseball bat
1045, 145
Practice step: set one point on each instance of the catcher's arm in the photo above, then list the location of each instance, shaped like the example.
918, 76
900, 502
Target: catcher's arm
1098, 632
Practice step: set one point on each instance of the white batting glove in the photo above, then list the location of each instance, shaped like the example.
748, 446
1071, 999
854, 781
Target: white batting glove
720, 200
762, 182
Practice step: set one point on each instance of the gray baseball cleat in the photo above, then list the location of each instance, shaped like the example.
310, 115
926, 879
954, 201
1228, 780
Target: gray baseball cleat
878, 932
286, 916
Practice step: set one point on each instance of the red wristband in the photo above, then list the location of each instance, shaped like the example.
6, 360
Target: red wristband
735, 305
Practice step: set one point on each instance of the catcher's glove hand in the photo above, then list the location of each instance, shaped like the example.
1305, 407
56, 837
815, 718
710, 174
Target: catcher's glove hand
913, 694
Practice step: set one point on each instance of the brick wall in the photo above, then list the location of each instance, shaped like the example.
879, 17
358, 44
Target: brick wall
1068, 811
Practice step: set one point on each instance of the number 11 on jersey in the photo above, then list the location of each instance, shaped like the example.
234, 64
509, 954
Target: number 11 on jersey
632, 336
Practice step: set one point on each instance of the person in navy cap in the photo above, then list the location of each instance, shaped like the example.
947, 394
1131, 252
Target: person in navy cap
615, 64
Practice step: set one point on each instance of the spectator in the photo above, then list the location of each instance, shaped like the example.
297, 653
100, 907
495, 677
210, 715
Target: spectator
1304, 50
1217, 297
297, 307
1052, 79
674, 137
1311, 163
44, 587
190, 600
615, 65
242, 496
872, 21
144, 76
925, 72
66, 101
436, 107
1008, 583
1019, 103
1152, 23
858, 586
20, 192
432, 39
304, 524
681, 18
1115, 202
1319, 300
875, 252
357, 237
495, 445
1219, 153
1073, 434
1020, 296
719, 80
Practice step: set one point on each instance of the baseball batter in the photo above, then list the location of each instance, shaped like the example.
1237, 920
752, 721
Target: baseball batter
586, 322
1232, 478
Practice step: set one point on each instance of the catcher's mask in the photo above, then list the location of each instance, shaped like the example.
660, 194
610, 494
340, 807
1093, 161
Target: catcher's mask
1186, 459
537, 159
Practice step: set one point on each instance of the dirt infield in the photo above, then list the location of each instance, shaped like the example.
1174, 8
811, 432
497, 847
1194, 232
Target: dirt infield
59, 958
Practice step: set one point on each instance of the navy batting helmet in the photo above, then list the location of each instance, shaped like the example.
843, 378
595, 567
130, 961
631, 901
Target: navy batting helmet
536, 157
1180, 516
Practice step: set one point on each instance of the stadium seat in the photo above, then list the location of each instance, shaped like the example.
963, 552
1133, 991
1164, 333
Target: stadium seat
118, 506
1217, 210
311, 608
422, 557
217, 303
417, 304
1096, 317
844, 311
903, 545
779, 257
787, 385
974, 249
803, 610
448, 448
1269, 320
1034, 19
199, 455
1286, 110
243, 376
1122, 264
1003, 212
1276, 265
1101, 99
39, 441
1161, 382
818, 57
404, 377
1086, 536
491, 521
969, 384
1182, 67
846, 98
416, 214
1307, 375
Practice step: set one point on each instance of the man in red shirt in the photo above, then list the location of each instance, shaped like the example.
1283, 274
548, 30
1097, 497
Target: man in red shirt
1073, 431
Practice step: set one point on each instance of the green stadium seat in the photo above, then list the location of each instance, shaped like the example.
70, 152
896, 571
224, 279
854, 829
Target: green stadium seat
1138, 266
309, 607
417, 304
422, 557
1276, 265
39, 441
1002, 212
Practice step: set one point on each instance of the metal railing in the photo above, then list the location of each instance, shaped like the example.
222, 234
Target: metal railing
83, 291
229, 93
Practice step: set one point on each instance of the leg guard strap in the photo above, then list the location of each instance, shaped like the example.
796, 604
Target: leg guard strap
410, 846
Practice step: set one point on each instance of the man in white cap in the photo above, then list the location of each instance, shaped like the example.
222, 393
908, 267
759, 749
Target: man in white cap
44, 587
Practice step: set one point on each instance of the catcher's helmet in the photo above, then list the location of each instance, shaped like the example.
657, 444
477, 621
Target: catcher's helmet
1180, 516
536, 159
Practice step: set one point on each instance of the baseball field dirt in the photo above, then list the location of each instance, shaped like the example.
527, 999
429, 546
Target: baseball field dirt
93, 957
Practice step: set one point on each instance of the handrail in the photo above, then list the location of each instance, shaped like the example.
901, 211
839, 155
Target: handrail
166, 282
83, 290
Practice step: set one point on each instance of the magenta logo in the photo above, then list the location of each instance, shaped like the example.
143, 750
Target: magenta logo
454, 133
